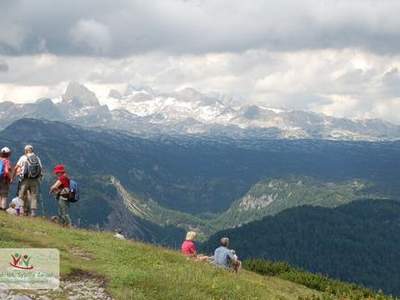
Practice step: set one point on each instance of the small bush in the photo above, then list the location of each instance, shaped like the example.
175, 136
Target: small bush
267, 268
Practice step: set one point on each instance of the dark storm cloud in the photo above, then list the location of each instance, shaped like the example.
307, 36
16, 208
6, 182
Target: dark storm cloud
127, 27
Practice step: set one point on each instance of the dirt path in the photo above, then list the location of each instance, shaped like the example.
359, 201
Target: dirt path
70, 289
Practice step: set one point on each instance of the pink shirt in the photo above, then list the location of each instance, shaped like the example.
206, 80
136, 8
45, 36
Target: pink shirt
188, 248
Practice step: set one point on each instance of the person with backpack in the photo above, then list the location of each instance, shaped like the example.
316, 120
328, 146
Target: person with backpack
62, 191
29, 171
5, 176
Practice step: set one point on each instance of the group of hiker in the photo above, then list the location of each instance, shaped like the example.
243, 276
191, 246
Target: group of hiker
28, 173
223, 256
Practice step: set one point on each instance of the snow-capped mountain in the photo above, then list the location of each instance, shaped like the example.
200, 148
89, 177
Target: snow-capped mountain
195, 112
144, 111
181, 105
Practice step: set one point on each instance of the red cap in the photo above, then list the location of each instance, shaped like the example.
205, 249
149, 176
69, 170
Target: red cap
59, 169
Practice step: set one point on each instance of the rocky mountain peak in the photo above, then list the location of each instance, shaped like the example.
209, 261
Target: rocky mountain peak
80, 95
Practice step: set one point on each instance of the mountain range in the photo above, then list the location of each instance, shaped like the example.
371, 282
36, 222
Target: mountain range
145, 112
155, 188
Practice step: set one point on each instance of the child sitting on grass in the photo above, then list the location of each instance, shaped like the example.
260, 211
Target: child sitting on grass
19, 205
12, 210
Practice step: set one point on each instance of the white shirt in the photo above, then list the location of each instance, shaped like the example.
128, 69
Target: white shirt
22, 163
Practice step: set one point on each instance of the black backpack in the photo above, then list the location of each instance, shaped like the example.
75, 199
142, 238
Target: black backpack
33, 168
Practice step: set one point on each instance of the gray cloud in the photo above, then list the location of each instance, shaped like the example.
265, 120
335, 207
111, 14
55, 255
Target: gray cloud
338, 57
349, 83
126, 27
3, 66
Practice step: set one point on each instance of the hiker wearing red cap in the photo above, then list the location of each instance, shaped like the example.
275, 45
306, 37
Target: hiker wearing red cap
61, 189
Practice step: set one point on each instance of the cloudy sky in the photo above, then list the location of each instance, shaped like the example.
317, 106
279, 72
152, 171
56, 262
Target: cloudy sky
339, 57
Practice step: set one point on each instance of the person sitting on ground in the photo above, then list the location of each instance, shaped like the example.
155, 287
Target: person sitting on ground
12, 210
188, 247
61, 189
29, 171
19, 205
5, 176
225, 257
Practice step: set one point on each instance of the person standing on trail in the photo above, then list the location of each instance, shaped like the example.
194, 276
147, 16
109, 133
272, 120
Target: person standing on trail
61, 190
5, 176
29, 171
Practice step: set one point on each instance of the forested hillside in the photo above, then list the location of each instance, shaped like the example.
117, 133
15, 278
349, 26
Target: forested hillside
356, 242
271, 196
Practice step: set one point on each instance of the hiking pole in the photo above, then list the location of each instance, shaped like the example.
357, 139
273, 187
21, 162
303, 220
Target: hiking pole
18, 188
41, 201
79, 215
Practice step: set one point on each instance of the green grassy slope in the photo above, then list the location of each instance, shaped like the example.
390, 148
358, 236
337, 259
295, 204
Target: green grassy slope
134, 270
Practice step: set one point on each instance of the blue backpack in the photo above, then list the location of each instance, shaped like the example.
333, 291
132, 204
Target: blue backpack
73, 191
2, 168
